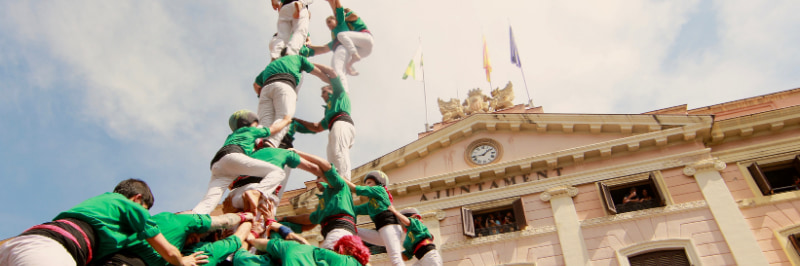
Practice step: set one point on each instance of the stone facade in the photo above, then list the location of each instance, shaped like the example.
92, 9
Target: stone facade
565, 175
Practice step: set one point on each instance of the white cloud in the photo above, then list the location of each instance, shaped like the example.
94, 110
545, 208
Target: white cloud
166, 75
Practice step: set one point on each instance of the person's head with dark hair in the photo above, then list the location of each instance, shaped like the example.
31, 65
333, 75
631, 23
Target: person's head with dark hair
352, 246
136, 189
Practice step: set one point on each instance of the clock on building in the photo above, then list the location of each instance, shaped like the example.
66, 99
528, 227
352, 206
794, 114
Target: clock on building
483, 151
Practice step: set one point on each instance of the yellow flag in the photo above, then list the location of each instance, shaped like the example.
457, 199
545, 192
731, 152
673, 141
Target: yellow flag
414, 69
486, 64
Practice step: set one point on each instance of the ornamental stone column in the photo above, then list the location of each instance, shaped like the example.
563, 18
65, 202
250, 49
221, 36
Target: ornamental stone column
568, 227
726, 212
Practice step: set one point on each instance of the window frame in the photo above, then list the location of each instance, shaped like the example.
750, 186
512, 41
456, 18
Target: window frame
785, 237
652, 178
468, 215
687, 245
762, 181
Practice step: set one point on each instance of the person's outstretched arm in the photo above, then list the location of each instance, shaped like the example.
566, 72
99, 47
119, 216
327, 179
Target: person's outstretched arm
310, 167
321, 75
314, 127
275, 127
400, 217
172, 254
323, 164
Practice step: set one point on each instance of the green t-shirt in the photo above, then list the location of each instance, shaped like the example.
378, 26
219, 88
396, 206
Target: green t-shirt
337, 102
335, 198
244, 258
216, 251
117, 222
245, 137
378, 200
416, 232
175, 228
293, 253
290, 64
341, 25
277, 157
355, 25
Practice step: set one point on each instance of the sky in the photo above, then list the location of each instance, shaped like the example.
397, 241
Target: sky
95, 92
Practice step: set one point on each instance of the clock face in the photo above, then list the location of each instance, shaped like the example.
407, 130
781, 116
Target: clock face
483, 154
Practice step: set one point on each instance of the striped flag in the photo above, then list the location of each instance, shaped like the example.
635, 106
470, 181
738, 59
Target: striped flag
486, 64
514, 52
414, 69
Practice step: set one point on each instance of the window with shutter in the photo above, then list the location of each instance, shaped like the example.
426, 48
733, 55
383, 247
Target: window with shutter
661, 258
491, 218
793, 239
466, 219
631, 193
519, 215
776, 177
607, 198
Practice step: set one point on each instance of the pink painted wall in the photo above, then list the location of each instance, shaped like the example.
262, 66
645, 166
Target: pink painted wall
765, 219
516, 145
683, 188
699, 226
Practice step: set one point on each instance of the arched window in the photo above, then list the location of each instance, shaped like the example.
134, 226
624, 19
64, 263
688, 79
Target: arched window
676, 257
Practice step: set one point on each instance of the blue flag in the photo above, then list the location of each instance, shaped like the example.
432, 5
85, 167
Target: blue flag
514, 52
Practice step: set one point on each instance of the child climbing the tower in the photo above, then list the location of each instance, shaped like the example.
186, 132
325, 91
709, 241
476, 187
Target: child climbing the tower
233, 159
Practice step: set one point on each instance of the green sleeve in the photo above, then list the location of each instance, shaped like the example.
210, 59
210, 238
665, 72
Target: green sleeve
361, 209
299, 127
340, 16
293, 159
334, 179
138, 219
245, 258
217, 251
367, 191
307, 52
306, 65
336, 84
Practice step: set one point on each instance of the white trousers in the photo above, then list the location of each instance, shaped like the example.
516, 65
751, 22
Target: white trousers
356, 42
339, 58
432, 258
340, 139
277, 100
34, 250
390, 236
333, 237
292, 31
225, 171
275, 177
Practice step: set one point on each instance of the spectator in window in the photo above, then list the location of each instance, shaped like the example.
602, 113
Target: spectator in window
508, 219
631, 197
645, 196
490, 220
797, 182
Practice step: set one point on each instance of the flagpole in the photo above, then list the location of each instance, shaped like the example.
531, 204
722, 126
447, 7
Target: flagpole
530, 102
515, 54
424, 88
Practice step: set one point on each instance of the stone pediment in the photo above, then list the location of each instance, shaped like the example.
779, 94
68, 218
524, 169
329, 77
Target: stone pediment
529, 142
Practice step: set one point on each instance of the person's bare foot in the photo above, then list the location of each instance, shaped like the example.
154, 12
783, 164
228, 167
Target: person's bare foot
350, 70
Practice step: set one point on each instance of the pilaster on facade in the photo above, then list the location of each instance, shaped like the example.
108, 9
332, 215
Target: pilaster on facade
431, 220
567, 223
729, 218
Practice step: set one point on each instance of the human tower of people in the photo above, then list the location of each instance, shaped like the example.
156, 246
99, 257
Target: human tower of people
116, 228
